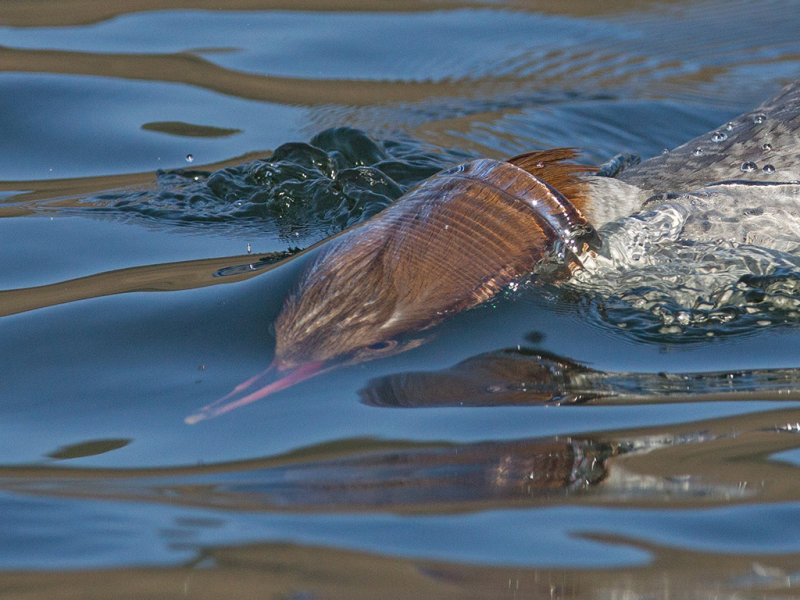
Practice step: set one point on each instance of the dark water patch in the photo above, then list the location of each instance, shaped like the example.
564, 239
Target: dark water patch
88, 448
180, 128
304, 191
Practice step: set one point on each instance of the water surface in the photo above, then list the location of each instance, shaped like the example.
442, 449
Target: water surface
143, 208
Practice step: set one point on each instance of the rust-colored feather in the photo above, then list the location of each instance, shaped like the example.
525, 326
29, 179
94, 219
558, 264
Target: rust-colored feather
551, 166
447, 245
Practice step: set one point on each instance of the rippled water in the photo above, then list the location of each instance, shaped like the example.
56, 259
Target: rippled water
631, 433
688, 268
302, 191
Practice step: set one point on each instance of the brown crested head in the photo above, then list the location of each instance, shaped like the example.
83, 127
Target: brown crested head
447, 245
342, 307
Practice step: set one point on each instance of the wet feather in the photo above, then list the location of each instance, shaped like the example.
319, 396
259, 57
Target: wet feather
448, 245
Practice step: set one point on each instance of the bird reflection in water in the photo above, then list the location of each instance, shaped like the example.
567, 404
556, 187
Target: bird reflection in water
520, 377
706, 463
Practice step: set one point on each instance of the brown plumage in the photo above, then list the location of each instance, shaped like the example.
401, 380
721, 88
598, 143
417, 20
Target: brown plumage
447, 245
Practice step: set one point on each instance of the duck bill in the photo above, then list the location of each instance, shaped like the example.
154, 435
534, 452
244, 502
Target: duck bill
270, 382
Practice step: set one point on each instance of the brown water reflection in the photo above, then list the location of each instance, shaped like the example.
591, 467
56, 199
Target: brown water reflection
309, 572
34, 196
148, 278
709, 463
521, 377
654, 74
188, 69
40, 13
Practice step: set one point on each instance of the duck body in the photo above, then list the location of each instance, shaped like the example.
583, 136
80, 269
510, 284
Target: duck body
461, 236
704, 239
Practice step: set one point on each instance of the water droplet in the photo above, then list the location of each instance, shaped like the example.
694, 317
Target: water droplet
665, 151
249, 250
789, 427
749, 166
718, 137
768, 169
698, 151
766, 147
189, 158
729, 126
759, 118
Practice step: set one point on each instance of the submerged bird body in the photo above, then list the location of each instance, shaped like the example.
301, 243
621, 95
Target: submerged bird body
446, 246
461, 236
449, 244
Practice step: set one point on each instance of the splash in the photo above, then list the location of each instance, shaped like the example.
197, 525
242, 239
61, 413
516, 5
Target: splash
305, 191
723, 260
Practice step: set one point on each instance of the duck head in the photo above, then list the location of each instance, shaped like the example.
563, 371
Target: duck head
448, 245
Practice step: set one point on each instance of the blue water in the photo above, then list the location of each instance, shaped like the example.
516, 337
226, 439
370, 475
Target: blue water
443, 492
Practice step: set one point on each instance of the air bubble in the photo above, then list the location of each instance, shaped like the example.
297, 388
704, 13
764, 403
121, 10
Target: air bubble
698, 151
729, 126
718, 137
189, 158
759, 118
766, 147
670, 330
768, 169
749, 166
665, 151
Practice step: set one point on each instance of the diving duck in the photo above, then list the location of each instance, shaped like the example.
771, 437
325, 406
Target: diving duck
461, 236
